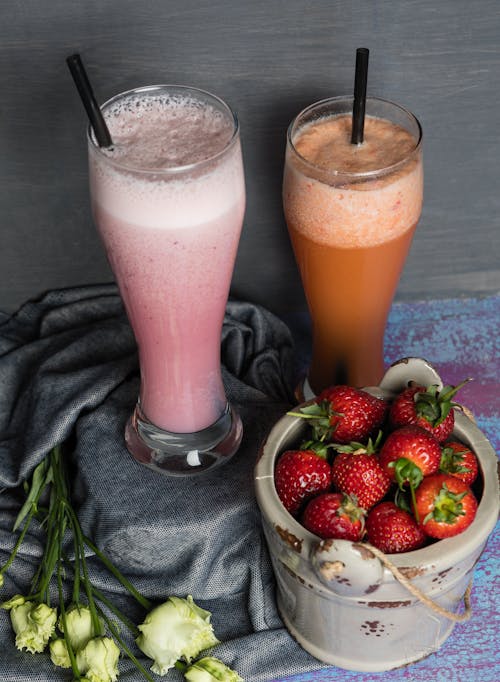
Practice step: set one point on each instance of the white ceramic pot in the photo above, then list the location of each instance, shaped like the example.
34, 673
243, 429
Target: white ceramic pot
339, 601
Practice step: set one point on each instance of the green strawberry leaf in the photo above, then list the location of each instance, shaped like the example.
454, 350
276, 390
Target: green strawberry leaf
318, 447
451, 461
447, 506
406, 471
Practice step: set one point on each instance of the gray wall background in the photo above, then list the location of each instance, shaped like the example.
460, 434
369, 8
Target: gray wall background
267, 59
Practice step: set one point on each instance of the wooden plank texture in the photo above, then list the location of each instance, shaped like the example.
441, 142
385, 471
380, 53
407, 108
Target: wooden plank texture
268, 60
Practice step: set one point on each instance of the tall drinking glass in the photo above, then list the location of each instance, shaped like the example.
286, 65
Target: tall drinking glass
351, 212
168, 200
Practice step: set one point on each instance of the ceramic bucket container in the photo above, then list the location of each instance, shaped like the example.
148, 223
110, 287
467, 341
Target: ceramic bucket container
358, 616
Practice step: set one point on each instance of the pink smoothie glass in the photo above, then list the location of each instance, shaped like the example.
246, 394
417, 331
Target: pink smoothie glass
168, 199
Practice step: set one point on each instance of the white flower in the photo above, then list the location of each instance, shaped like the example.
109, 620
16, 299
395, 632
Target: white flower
33, 625
98, 660
176, 629
79, 627
59, 653
210, 669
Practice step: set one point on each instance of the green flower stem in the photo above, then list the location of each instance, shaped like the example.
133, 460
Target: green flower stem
41, 477
78, 535
121, 616
121, 578
62, 608
76, 570
49, 558
181, 666
62, 497
114, 631
19, 542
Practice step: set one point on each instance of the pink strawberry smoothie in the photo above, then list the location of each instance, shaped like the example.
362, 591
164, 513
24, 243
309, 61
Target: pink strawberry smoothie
171, 236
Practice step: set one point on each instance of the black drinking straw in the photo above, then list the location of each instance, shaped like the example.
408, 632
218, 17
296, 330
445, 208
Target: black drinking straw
359, 105
96, 118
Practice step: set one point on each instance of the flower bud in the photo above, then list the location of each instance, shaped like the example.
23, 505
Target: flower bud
16, 600
210, 669
98, 660
176, 629
79, 628
59, 653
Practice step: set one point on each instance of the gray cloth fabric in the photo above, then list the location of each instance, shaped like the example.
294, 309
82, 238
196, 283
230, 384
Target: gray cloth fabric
69, 373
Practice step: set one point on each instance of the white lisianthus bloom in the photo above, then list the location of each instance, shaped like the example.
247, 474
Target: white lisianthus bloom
59, 653
210, 669
98, 660
33, 625
79, 628
176, 629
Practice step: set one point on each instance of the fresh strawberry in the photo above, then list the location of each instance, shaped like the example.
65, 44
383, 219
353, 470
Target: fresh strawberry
343, 414
356, 471
410, 453
458, 460
393, 530
426, 407
334, 515
446, 506
300, 474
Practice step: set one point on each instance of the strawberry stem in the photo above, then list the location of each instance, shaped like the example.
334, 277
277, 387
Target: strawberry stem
414, 503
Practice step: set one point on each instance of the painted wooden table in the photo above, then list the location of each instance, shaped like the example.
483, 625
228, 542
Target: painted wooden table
460, 338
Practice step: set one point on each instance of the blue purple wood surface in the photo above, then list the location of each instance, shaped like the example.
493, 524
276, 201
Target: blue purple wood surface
460, 338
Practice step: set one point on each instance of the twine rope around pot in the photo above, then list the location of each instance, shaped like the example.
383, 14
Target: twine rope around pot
416, 592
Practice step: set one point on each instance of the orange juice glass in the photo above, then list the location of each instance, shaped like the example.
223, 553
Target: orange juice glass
351, 212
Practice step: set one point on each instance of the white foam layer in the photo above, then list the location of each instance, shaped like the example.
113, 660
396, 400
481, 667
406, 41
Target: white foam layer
171, 203
351, 218
157, 135
337, 209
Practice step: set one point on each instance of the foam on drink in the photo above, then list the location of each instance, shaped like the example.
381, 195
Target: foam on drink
154, 135
334, 207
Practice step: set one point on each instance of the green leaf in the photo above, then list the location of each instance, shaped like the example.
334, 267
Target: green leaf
42, 475
407, 471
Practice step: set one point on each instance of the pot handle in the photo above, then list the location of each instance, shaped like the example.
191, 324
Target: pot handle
405, 370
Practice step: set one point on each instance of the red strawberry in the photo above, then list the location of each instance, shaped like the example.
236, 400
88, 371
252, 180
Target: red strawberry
299, 475
343, 414
446, 506
393, 530
334, 515
356, 471
426, 407
409, 454
459, 460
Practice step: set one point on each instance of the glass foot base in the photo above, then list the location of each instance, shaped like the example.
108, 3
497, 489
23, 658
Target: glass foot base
181, 454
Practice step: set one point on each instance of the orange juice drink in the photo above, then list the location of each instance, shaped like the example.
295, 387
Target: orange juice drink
351, 212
